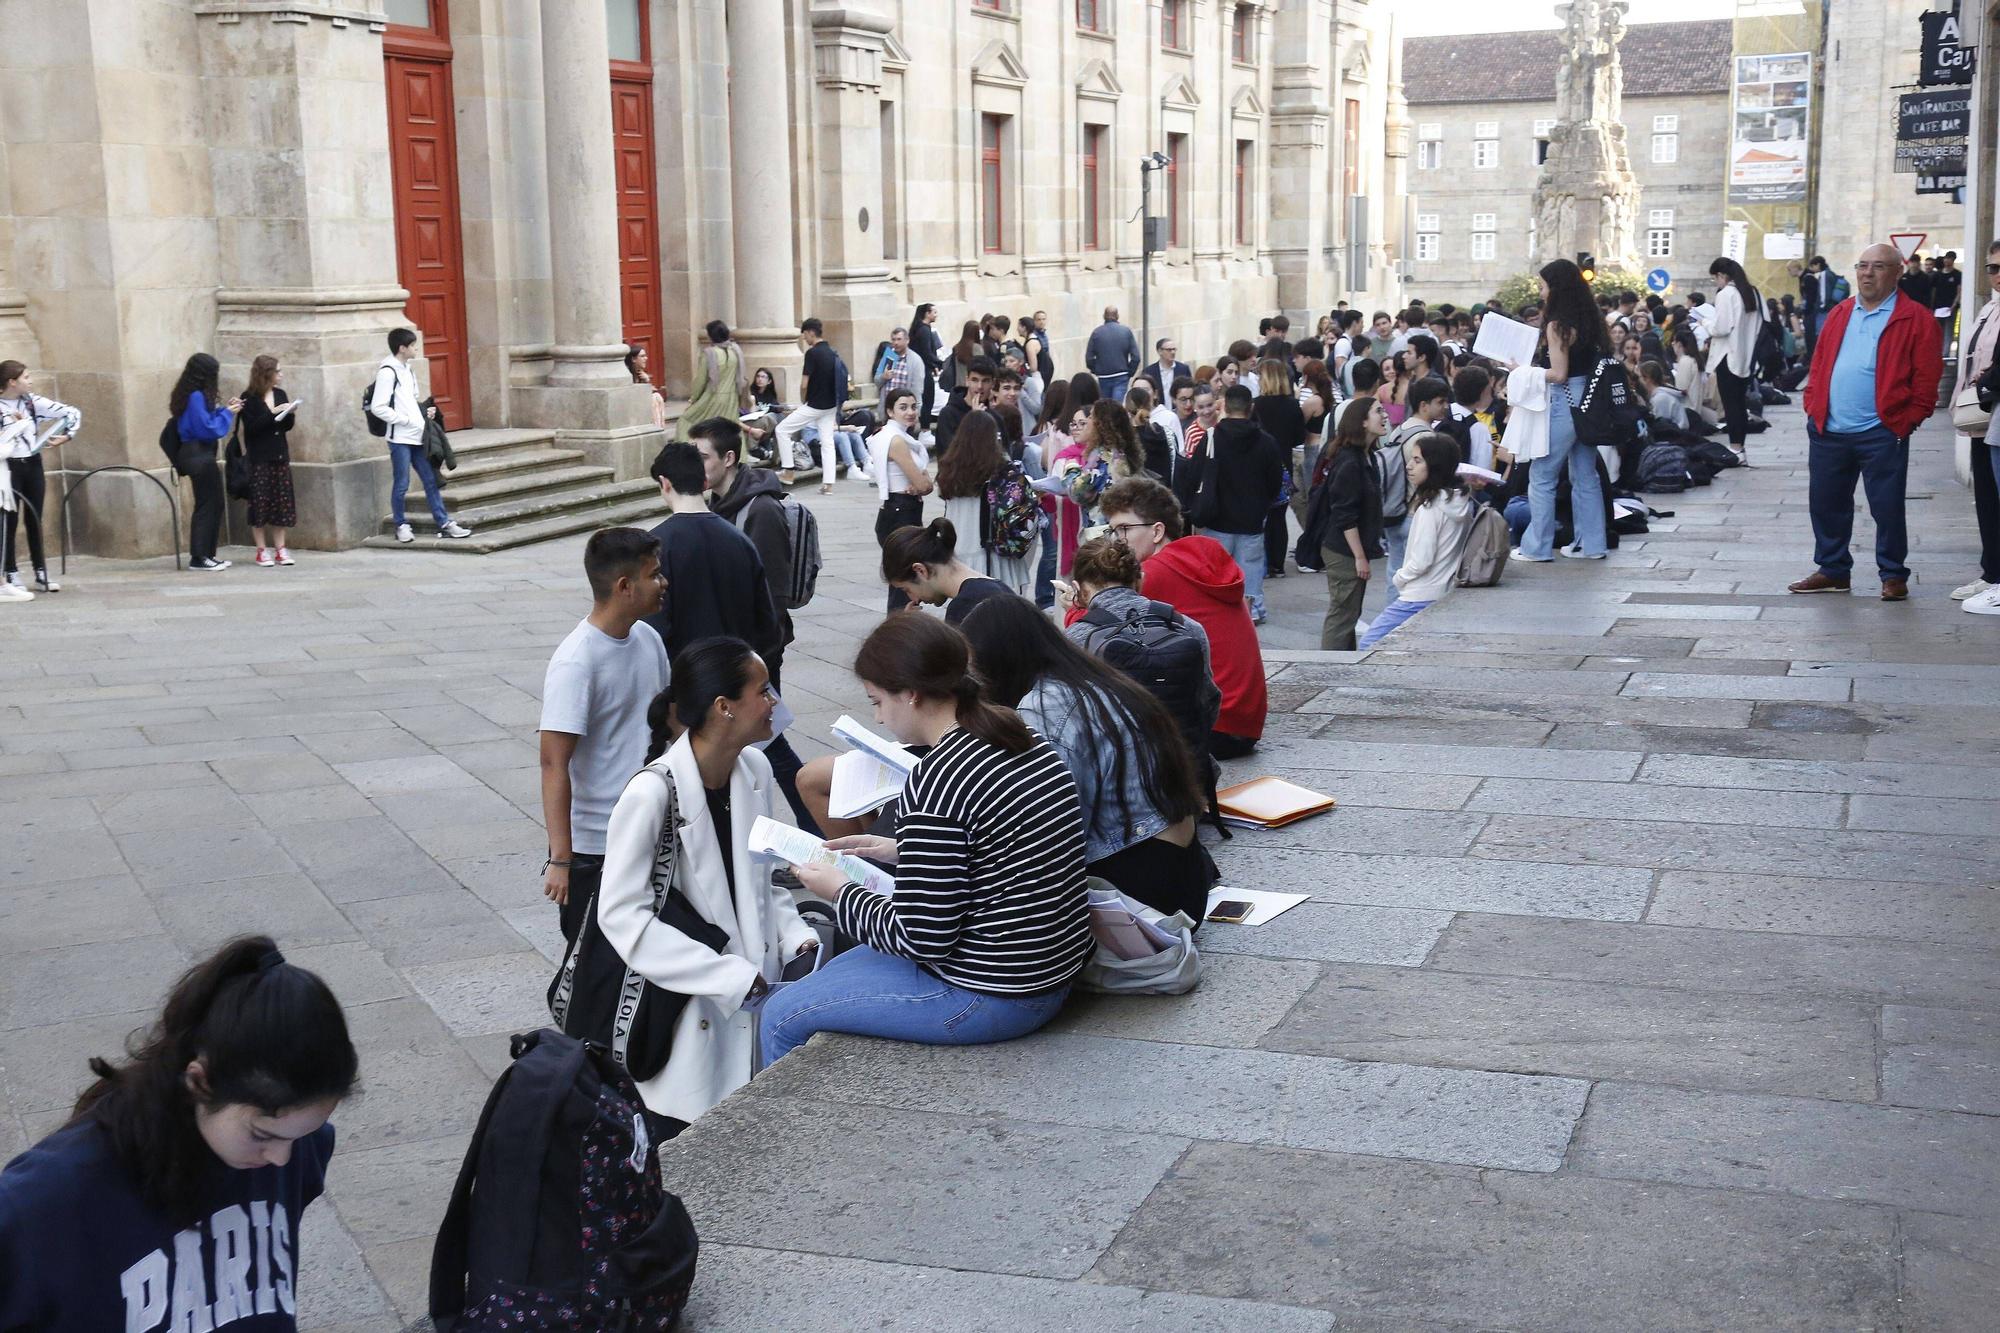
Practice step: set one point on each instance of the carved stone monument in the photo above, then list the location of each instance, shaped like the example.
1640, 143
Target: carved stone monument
1587, 198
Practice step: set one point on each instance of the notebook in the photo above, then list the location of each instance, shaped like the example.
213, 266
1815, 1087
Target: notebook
1269, 803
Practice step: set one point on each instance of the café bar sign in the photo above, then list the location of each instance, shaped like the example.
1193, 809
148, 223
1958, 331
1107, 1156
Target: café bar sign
1942, 62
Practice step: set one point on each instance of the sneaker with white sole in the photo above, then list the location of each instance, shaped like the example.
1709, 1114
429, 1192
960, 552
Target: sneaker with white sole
209, 566
1578, 553
1972, 589
1518, 554
45, 583
265, 560
285, 557
1982, 604
404, 533
454, 529
14, 592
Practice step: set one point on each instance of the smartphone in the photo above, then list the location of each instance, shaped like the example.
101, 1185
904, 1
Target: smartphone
1231, 912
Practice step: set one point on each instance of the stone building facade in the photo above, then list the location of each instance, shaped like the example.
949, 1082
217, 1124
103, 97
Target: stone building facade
536, 183
1482, 106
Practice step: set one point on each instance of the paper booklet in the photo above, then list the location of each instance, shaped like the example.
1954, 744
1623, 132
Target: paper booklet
770, 838
869, 775
1508, 341
1269, 803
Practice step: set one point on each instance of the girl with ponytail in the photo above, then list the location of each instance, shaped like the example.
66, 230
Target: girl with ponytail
175, 1191
923, 563
988, 923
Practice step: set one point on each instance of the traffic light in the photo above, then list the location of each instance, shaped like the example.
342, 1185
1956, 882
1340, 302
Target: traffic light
1588, 263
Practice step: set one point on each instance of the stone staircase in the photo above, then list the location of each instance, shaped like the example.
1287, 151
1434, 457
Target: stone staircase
513, 487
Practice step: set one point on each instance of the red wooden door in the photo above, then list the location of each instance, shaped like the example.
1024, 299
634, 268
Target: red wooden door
638, 215
423, 168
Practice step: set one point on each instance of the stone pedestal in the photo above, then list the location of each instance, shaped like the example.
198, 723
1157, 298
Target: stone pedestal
761, 190
1587, 199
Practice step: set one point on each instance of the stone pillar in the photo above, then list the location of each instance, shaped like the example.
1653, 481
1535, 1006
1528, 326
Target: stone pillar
299, 139
589, 399
760, 146
1302, 218
1396, 136
854, 297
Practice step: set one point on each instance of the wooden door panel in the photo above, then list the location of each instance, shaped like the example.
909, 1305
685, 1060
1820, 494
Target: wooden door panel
638, 215
423, 165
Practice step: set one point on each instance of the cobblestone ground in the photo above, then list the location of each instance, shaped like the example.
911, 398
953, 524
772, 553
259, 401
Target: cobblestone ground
1651, 977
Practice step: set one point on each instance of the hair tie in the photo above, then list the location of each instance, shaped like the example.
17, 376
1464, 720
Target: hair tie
272, 959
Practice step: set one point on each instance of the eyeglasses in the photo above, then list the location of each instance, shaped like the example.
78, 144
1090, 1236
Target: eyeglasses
1119, 530
1993, 268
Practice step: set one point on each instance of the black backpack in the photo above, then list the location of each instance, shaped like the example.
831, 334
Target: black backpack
1610, 412
1663, 467
559, 1219
376, 426
1162, 651
1770, 352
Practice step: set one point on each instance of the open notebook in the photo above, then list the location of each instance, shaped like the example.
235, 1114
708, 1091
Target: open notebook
869, 775
1269, 803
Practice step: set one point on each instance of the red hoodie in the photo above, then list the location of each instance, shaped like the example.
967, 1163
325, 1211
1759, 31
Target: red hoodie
1196, 577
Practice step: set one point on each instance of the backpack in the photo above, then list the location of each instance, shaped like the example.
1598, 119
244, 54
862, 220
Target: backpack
1713, 454
376, 426
558, 1219
802, 536
1769, 353
170, 443
1610, 412
1485, 557
1169, 658
840, 384
1663, 467
1009, 514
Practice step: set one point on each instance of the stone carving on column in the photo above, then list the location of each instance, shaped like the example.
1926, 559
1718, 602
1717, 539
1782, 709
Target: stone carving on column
1587, 198
854, 294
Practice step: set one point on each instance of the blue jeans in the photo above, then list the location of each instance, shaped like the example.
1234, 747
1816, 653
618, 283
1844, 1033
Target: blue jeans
848, 444
1834, 461
1113, 386
402, 457
1586, 497
1517, 517
1045, 568
1247, 550
1397, 539
874, 994
1393, 615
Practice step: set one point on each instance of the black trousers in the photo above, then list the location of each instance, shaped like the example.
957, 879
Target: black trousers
31, 488
586, 873
205, 526
1734, 389
898, 511
1277, 540
1986, 504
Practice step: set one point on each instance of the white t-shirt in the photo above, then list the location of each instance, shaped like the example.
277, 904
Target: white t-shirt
1482, 438
598, 689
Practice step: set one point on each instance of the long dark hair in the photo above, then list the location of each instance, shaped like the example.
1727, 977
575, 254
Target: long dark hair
1015, 647
1732, 275
1571, 306
975, 457
199, 373
1055, 411
970, 342
263, 371
1350, 431
928, 658
1441, 460
767, 394
704, 671
933, 546
1112, 432
1083, 390
268, 1034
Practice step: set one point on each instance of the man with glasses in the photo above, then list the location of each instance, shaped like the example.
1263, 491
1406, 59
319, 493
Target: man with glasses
1164, 371
1187, 469
1874, 380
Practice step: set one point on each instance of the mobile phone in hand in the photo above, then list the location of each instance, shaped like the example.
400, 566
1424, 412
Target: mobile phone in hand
1231, 912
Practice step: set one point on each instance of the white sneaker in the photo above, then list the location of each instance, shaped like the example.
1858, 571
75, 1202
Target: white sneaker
1577, 553
403, 533
14, 592
1972, 589
860, 475
454, 529
1518, 554
1983, 604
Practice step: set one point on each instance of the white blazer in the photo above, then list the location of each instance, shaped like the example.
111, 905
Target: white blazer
714, 1039
1733, 330
1528, 413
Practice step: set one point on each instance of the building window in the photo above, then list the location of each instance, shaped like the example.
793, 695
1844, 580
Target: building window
1090, 14
993, 6
992, 184
410, 13
1246, 181
1430, 155
890, 214
1660, 217
1543, 129
1093, 189
1666, 148
1350, 147
1243, 35
1485, 222
1486, 129
1485, 154
1177, 177
1666, 124
1484, 245
1427, 247
1174, 25
1660, 243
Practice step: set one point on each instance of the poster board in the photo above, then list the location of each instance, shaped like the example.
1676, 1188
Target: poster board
1770, 119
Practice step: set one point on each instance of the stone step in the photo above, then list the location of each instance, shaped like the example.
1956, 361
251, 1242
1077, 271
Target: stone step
591, 494
513, 480
641, 508
482, 444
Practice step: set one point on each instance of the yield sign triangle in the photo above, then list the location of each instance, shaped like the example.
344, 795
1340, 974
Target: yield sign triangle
1907, 243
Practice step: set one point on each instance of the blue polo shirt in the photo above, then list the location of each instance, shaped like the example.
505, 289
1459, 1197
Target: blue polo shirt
1850, 394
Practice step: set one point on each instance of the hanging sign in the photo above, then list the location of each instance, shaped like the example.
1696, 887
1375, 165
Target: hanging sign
1941, 61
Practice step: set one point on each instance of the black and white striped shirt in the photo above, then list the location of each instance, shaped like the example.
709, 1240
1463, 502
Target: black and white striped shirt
989, 871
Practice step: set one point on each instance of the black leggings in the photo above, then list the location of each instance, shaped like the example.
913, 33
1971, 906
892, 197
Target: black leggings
205, 526
30, 490
1735, 412
900, 510
1159, 874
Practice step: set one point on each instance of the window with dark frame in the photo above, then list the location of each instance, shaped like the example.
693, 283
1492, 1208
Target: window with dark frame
1090, 15
1093, 154
1243, 36
1245, 182
1176, 162
992, 185
1173, 24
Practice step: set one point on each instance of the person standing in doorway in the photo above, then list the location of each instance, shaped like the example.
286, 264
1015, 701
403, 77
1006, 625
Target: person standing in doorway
594, 733
269, 414
1874, 380
395, 404
819, 406
1112, 354
29, 423
202, 424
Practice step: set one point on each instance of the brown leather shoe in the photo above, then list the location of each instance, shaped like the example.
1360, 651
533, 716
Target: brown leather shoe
1895, 590
1818, 582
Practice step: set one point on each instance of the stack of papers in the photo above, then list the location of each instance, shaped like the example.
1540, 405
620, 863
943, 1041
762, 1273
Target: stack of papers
770, 838
869, 775
1263, 904
1124, 932
1505, 340
1269, 803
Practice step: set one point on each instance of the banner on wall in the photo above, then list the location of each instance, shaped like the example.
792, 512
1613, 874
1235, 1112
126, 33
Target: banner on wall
1770, 120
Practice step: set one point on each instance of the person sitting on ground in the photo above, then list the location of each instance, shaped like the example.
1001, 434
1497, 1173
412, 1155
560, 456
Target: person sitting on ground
924, 562
1663, 400
989, 921
1441, 516
1136, 782
716, 783
1199, 579
211, 1134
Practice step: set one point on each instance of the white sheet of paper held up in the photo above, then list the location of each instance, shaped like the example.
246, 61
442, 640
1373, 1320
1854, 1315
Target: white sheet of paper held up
1508, 341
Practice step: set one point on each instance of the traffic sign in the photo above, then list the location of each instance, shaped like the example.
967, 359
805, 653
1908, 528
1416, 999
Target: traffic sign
1908, 243
1659, 280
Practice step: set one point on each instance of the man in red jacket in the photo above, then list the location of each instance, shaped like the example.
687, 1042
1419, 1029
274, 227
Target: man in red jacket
1875, 373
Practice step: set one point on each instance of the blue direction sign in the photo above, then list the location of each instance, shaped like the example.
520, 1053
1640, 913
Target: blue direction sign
1659, 280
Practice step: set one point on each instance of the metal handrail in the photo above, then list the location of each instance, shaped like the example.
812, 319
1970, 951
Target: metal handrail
173, 507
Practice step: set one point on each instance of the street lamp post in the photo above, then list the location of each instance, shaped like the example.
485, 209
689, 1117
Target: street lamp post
1149, 236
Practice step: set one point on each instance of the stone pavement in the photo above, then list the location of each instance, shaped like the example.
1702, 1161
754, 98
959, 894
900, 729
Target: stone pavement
1651, 977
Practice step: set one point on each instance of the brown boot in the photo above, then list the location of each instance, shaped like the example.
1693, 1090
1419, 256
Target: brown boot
1895, 590
1818, 582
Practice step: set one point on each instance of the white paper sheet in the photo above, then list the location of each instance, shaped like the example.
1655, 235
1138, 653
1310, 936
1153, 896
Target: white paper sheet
768, 837
1508, 341
1263, 905
857, 737
862, 783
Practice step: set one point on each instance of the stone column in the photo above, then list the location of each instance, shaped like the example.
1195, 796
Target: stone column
760, 146
1302, 221
589, 399
854, 296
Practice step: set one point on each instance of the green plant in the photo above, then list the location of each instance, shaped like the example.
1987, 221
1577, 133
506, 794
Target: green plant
1522, 288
